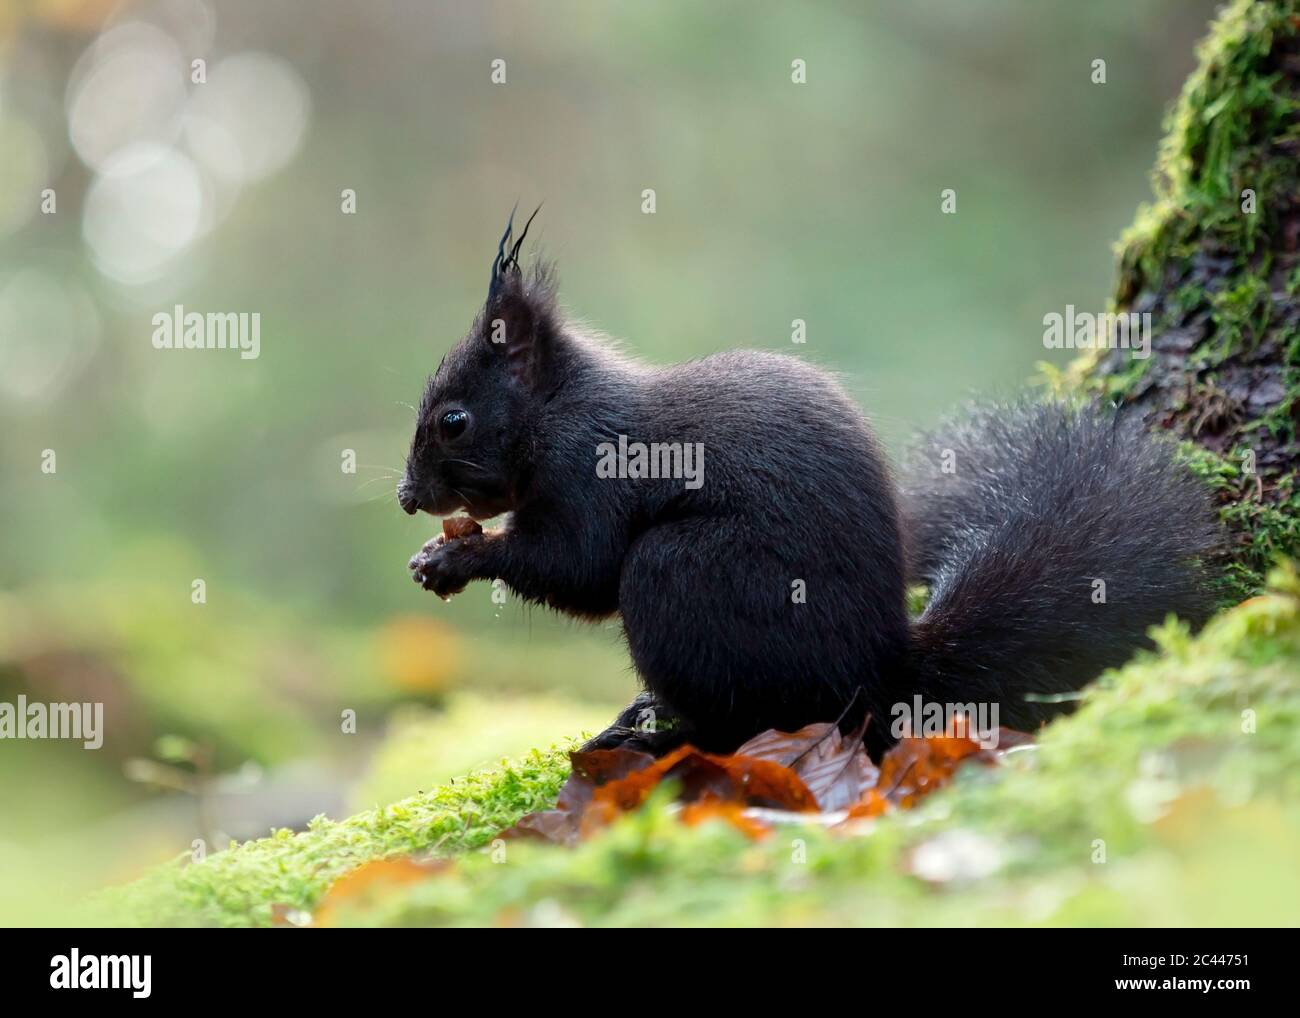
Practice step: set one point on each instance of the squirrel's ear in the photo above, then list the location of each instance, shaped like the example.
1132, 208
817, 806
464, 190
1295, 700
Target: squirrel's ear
514, 330
516, 310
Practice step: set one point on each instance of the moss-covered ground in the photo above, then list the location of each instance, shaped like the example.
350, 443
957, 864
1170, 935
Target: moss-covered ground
1169, 797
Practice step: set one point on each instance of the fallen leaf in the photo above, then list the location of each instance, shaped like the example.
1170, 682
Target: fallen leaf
590, 770
608, 783
777, 777
372, 880
835, 767
705, 810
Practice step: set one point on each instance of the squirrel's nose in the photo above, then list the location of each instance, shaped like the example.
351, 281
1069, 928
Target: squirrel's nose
409, 503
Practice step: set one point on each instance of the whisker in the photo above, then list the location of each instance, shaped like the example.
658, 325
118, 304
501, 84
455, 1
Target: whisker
379, 496
466, 463
373, 480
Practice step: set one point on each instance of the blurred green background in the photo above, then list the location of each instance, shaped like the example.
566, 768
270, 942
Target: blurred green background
775, 201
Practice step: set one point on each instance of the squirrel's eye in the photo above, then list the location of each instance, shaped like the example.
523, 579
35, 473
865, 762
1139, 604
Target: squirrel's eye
453, 423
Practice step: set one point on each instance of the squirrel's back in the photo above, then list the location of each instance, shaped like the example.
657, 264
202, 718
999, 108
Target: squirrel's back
779, 432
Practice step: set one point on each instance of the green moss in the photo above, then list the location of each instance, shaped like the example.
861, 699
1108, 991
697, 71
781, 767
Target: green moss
1262, 530
1221, 138
423, 747
1241, 314
1173, 765
1115, 385
238, 885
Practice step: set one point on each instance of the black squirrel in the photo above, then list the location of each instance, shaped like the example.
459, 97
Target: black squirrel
768, 588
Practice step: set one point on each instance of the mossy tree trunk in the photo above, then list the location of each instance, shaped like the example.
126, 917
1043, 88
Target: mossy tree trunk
1214, 261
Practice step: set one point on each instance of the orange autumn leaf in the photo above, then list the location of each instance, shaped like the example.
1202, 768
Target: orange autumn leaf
774, 777
835, 767
870, 806
705, 810
590, 770
608, 783
916, 767
373, 880
743, 780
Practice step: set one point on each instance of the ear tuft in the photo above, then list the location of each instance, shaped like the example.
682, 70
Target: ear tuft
518, 314
505, 266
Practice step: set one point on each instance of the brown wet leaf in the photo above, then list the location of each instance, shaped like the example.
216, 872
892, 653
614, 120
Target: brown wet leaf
608, 783
915, 767
705, 810
373, 880
742, 779
835, 767
590, 770
776, 776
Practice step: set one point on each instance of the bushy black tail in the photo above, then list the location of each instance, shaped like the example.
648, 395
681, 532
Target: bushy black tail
1051, 539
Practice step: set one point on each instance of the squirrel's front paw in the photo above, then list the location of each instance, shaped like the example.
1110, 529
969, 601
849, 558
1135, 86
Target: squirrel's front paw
443, 566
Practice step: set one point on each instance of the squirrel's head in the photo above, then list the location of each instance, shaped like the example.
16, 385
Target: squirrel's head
469, 450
